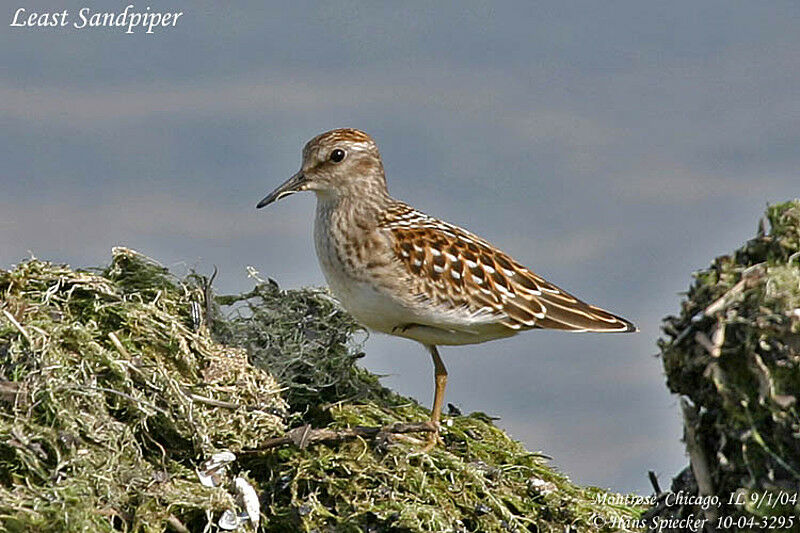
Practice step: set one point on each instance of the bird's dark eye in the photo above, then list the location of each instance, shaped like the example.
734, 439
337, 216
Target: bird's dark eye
337, 155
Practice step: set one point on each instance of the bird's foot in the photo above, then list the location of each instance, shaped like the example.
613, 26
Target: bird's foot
434, 437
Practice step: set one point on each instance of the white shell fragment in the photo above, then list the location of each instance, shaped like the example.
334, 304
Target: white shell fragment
213, 469
541, 486
248, 499
212, 473
229, 520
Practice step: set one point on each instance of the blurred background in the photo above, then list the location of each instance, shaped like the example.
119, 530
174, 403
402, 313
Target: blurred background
612, 147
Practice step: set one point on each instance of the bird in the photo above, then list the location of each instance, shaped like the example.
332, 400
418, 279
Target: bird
399, 271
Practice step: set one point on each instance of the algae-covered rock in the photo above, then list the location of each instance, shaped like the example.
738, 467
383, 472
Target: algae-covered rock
733, 354
116, 401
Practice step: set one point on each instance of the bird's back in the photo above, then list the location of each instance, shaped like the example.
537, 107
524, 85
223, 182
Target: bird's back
405, 273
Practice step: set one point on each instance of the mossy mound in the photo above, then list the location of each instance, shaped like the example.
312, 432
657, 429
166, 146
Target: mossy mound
734, 354
305, 340
113, 393
481, 480
110, 396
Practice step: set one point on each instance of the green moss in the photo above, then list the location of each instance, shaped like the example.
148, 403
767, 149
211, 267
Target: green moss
305, 340
744, 393
480, 480
103, 421
113, 392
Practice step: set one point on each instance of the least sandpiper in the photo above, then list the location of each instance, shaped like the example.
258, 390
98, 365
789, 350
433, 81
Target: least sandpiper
402, 272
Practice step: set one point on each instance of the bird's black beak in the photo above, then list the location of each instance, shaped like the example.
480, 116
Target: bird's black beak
294, 184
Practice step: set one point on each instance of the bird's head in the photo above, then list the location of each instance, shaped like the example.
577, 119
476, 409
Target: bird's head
337, 163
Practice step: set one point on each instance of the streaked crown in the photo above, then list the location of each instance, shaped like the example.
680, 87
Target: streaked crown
343, 161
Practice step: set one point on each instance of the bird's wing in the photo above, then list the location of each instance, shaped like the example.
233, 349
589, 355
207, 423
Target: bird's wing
459, 270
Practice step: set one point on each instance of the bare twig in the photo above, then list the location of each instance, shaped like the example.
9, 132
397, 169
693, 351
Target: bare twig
756, 436
697, 456
303, 436
766, 385
17, 325
118, 345
750, 278
9, 390
209, 297
714, 345
211, 401
126, 396
176, 524
654, 482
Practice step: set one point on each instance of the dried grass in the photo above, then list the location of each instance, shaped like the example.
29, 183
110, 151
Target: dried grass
112, 393
733, 353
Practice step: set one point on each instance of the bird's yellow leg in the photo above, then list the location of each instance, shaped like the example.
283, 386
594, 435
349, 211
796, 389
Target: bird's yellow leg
440, 376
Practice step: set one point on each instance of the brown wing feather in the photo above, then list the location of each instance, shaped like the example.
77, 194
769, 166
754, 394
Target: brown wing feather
460, 270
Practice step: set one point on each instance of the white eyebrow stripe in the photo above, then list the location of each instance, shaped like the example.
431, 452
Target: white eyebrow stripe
357, 146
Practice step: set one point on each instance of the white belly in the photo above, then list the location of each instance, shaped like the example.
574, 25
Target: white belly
368, 306
378, 310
